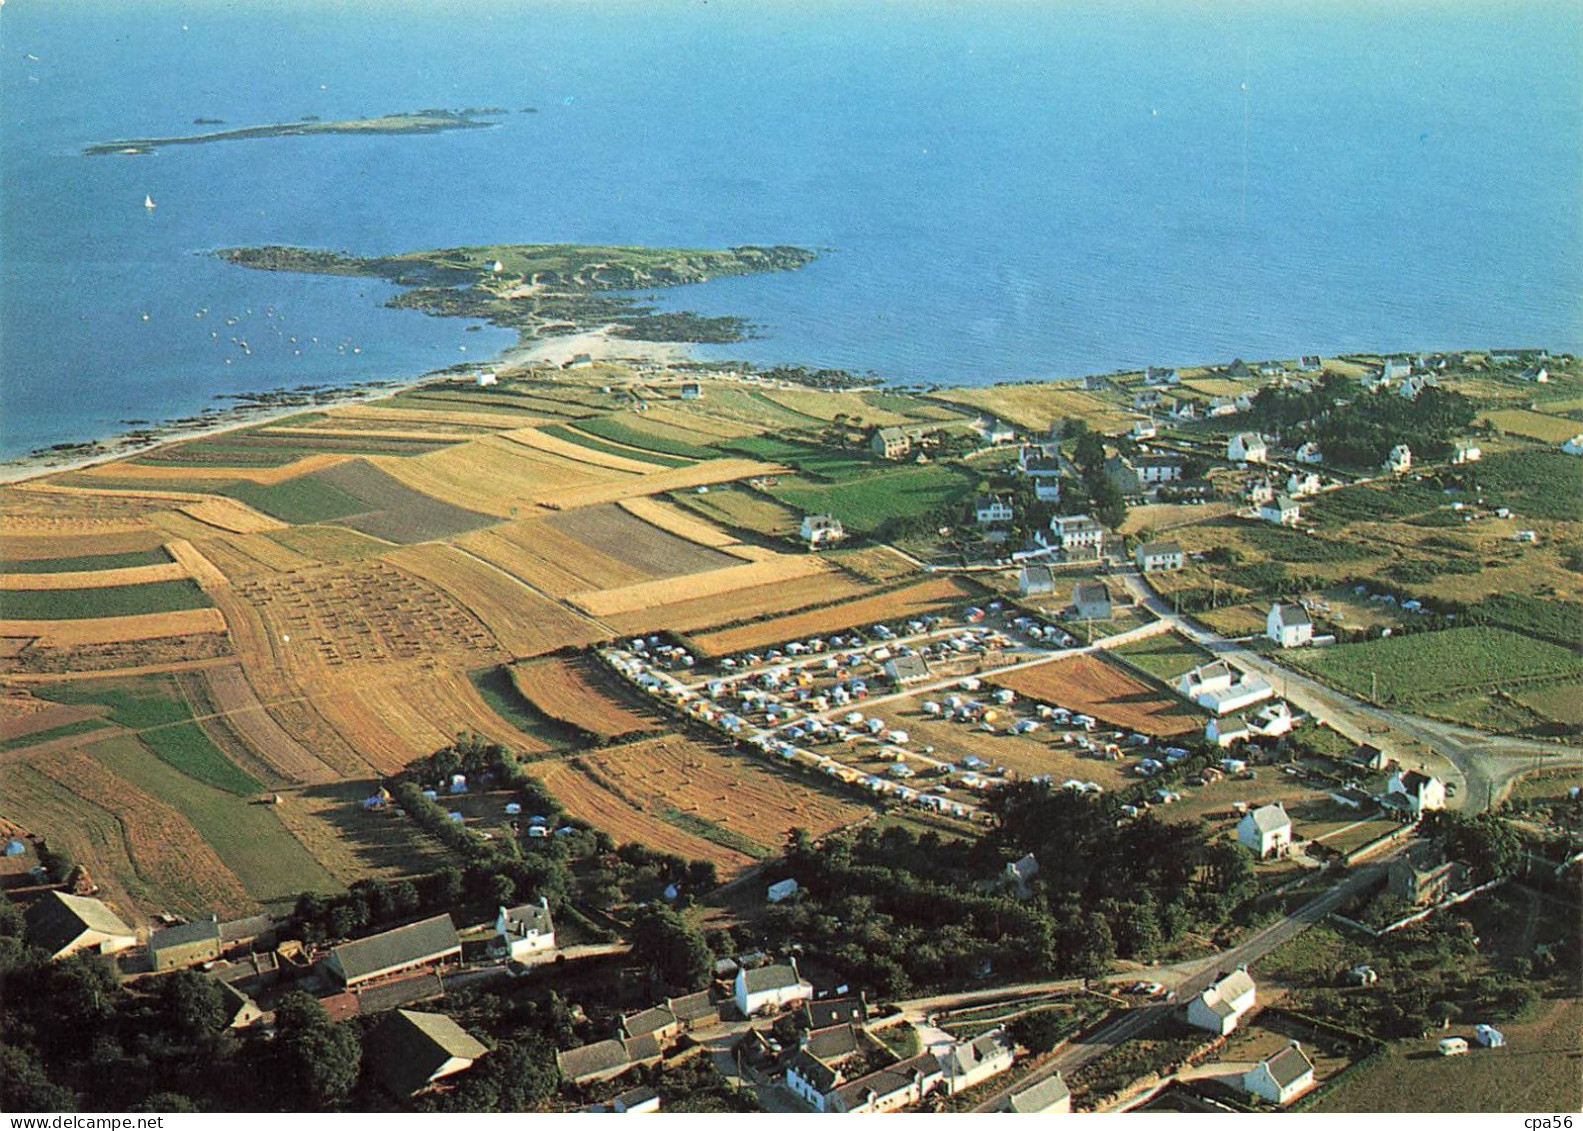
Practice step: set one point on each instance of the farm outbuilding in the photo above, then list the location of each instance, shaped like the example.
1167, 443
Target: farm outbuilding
65, 925
185, 945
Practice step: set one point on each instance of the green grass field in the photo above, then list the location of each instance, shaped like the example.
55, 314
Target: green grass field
1539, 483
593, 443
249, 839
65, 730
303, 500
87, 563
1414, 669
154, 706
807, 458
495, 687
1166, 656
741, 508
864, 503
107, 601
626, 428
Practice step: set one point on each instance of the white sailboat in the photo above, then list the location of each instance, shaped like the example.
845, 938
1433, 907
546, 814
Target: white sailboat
148, 202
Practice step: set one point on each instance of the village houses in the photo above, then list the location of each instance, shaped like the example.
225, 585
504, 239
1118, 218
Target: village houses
1158, 556
431, 942
1035, 581
526, 930
1282, 510
1265, 831
1310, 452
1466, 451
1416, 792
1289, 625
1300, 483
1247, 447
820, 530
64, 925
1091, 600
1400, 460
1220, 688
1281, 1078
1220, 1007
1078, 537
410, 1053
992, 510
767, 988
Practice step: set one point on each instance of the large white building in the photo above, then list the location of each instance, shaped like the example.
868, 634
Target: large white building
526, 930
1221, 688
1289, 625
1222, 1005
1247, 447
770, 987
1265, 831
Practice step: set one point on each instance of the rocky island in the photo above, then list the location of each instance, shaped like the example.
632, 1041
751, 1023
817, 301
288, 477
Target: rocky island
414, 122
546, 290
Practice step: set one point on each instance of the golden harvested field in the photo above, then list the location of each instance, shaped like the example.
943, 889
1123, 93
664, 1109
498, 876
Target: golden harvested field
198, 567
653, 594
669, 422
609, 811
360, 434
673, 521
233, 696
154, 474
1535, 425
1093, 686
878, 564
447, 698
576, 692
829, 405
163, 846
740, 604
685, 781
366, 613
565, 449
330, 544
546, 559
1218, 386
94, 578
523, 621
924, 597
228, 514
1035, 404
495, 476
35, 547
462, 422
377, 719
113, 630
702, 474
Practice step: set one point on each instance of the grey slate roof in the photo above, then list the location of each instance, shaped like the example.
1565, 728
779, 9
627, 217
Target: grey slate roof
832, 1043
1269, 818
1289, 1065
820, 1076
404, 991
407, 1048
1041, 1097
1153, 549
835, 1011
888, 1081
404, 946
200, 930
591, 1060
694, 1007
529, 917
1291, 615
648, 1021
236, 930
776, 977
57, 920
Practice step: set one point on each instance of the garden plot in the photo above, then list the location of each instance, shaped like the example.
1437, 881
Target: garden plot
1093, 686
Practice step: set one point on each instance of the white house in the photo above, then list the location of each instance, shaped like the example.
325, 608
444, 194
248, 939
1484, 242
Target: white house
526, 930
1574, 446
1153, 468
1221, 689
487, 378
1222, 1005
1144, 430
770, 987
1537, 374
1184, 410
1288, 625
1310, 453
1300, 483
967, 1063
1247, 447
1281, 1078
1400, 460
1273, 720
1259, 490
1227, 732
1420, 792
1077, 535
821, 530
1092, 601
1265, 831
1466, 451
1155, 376
1221, 406
1282, 510
692, 391
992, 510
1045, 471
1396, 368
1156, 557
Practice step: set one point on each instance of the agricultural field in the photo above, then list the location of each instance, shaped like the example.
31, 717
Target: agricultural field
16, 563
101, 601
306, 499
231, 695
856, 407
576, 444
1534, 425
248, 838
1165, 656
1444, 673
614, 532
880, 565
1093, 686
32, 553
743, 509
329, 544
576, 691
865, 499
644, 433
909, 601
1035, 405
1536, 1071
95, 578
739, 605
392, 510
738, 804
650, 597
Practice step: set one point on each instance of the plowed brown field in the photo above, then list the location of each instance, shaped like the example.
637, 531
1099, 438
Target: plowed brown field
234, 697
1093, 686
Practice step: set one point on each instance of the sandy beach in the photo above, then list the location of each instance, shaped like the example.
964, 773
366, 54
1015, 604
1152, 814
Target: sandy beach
599, 345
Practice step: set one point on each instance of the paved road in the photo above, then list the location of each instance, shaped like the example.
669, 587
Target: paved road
1481, 766
1190, 979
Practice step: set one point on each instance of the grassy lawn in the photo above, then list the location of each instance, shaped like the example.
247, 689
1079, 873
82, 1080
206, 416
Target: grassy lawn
106, 601
248, 837
1166, 656
187, 748
303, 500
86, 563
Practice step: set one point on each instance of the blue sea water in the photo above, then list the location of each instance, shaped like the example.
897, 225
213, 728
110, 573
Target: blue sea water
1007, 189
